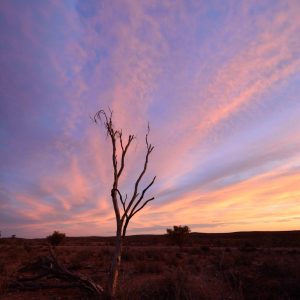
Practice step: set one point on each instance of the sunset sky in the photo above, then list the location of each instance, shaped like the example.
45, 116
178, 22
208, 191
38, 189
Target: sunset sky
219, 82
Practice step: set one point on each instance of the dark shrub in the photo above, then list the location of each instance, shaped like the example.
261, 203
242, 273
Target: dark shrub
56, 238
179, 234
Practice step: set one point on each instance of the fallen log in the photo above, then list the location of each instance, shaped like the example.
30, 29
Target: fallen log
50, 267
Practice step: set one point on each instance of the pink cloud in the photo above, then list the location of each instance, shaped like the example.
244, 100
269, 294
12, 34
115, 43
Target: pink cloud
253, 203
239, 84
207, 78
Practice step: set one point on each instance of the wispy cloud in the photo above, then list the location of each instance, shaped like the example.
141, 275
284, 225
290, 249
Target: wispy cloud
219, 85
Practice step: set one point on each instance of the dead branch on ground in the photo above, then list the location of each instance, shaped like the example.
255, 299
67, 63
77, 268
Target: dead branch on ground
50, 267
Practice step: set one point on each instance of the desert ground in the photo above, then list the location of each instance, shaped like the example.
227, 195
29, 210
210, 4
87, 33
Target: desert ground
244, 265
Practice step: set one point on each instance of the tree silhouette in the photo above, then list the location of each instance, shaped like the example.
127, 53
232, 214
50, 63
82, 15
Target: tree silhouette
129, 206
179, 234
56, 238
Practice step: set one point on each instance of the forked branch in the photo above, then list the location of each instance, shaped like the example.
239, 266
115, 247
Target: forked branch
136, 202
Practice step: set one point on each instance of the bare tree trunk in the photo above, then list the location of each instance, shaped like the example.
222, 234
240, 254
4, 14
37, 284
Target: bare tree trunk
116, 263
133, 205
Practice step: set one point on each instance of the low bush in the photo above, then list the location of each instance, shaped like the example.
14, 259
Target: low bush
56, 238
179, 234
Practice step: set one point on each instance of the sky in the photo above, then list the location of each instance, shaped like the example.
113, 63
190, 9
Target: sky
218, 81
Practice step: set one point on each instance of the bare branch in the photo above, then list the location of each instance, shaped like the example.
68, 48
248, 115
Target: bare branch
132, 214
135, 209
98, 117
145, 203
141, 197
123, 202
50, 267
124, 151
110, 131
148, 131
120, 195
121, 140
145, 189
136, 202
136, 186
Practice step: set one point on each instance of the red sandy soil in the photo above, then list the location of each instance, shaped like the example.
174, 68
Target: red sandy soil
245, 265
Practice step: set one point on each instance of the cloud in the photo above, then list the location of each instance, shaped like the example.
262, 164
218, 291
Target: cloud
238, 87
219, 85
246, 204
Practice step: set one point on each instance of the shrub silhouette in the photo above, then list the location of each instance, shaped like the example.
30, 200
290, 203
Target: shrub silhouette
56, 238
179, 234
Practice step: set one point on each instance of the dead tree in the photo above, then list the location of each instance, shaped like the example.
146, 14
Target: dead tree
129, 206
48, 272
